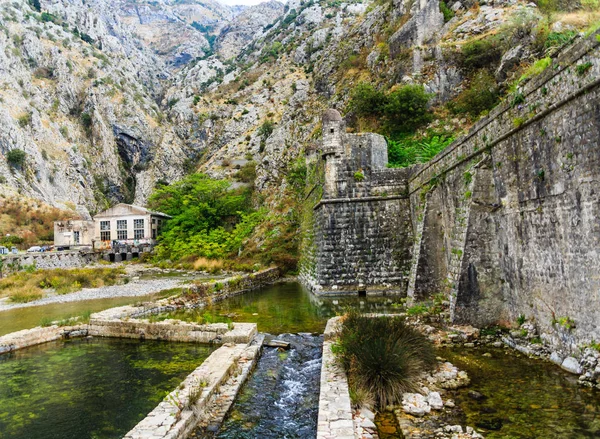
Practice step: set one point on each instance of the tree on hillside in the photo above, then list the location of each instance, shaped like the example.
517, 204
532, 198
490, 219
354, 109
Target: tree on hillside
35, 4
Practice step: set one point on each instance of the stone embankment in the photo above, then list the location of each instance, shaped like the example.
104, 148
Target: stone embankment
127, 322
337, 418
48, 260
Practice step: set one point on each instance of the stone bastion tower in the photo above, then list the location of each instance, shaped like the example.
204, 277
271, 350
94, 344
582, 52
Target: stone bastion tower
362, 221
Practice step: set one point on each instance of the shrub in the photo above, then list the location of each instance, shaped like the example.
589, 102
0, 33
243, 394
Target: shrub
536, 68
209, 219
408, 151
86, 121
247, 173
35, 4
482, 53
359, 176
44, 72
383, 356
558, 39
266, 129
366, 100
581, 69
24, 120
446, 12
16, 157
406, 109
482, 95
86, 38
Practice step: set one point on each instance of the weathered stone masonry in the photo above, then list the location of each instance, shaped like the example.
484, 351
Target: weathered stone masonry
505, 221
362, 220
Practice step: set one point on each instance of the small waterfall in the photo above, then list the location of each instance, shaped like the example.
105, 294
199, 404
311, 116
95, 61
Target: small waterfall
281, 398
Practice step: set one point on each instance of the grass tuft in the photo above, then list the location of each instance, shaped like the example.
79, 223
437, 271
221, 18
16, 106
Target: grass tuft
383, 357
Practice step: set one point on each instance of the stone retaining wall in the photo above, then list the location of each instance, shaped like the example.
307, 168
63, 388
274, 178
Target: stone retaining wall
48, 261
335, 412
180, 412
336, 419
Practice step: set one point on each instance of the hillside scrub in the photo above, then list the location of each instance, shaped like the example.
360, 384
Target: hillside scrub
408, 151
29, 285
210, 219
25, 222
383, 356
402, 110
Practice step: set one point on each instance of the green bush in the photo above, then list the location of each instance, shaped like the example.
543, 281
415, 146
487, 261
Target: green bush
366, 100
86, 121
406, 109
383, 356
247, 173
16, 157
482, 95
24, 120
209, 218
483, 53
446, 12
407, 151
402, 110
266, 129
35, 4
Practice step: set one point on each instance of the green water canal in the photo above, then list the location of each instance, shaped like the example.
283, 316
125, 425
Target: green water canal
89, 388
100, 388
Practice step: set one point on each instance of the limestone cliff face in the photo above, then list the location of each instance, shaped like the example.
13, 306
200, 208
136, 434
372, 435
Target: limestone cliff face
108, 97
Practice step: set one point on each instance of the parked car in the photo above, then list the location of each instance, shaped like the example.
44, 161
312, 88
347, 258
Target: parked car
3, 250
61, 248
34, 249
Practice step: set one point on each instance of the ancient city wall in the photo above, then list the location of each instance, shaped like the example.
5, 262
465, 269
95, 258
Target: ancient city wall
509, 213
505, 221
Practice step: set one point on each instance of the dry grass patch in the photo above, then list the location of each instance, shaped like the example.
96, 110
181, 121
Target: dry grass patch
25, 286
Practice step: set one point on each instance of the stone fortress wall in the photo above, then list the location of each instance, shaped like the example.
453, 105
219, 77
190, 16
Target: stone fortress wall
504, 222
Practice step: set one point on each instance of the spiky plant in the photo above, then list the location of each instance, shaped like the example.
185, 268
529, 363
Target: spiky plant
383, 356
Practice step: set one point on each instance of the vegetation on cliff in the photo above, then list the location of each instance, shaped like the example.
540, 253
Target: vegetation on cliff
25, 222
210, 218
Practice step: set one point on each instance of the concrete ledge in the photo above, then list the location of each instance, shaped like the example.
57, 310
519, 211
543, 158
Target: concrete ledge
178, 414
31, 337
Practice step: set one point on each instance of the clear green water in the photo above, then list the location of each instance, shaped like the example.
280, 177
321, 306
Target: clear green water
284, 308
89, 388
524, 398
30, 317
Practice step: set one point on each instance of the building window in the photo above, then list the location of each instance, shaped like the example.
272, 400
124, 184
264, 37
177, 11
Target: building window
105, 236
105, 225
76, 238
138, 229
153, 233
121, 229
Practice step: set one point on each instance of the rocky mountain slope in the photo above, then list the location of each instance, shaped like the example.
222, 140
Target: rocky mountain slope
109, 97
